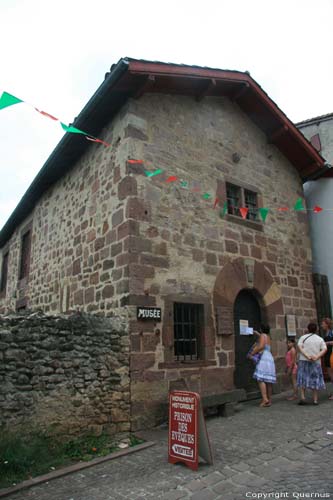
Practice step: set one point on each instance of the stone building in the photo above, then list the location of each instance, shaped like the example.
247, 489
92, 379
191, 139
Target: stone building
95, 233
319, 191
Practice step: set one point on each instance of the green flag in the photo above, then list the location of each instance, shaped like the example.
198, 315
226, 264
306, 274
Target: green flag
206, 196
151, 174
8, 100
299, 204
263, 212
73, 130
184, 184
224, 209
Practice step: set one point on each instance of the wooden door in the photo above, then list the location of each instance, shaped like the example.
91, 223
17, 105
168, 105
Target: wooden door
246, 307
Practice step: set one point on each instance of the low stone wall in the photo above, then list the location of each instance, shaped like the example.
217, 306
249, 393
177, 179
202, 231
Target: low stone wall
69, 374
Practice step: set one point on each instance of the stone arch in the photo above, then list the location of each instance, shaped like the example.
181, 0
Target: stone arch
244, 273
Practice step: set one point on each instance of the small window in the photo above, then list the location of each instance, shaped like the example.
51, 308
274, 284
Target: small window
251, 203
25, 255
4, 273
234, 195
238, 197
187, 331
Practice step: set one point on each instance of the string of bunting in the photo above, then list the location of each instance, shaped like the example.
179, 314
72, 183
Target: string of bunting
9, 100
263, 211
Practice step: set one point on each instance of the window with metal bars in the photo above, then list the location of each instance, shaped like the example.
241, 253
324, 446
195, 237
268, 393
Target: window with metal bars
25, 255
4, 273
251, 203
233, 198
188, 322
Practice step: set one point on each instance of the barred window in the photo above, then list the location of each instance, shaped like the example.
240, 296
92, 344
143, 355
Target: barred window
25, 255
4, 273
233, 199
188, 322
251, 203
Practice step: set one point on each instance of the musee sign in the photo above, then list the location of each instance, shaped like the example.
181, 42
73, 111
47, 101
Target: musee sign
149, 313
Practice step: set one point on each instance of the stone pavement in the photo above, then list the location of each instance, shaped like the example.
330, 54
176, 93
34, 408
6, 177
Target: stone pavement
281, 450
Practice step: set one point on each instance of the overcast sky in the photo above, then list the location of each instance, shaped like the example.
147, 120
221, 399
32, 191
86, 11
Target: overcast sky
55, 53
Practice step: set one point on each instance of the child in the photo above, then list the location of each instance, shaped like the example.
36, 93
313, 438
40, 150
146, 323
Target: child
291, 366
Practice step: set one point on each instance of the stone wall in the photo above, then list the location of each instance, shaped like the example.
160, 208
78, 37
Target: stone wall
68, 374
182, 245
78, 255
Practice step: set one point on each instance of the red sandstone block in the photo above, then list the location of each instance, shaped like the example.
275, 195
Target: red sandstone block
154, 261
149, 342
128, 228
247, 237
135, 244
91, 236
140, 362
140, 271
126, 258
78, 298
111, 237
116, 175
127, 187
89, 295
94, 278
292, 281
231, 246
211, 259
256, 252
135, 342
197, 255
138, 209
99, 243
116, 249
108, 291
76, 267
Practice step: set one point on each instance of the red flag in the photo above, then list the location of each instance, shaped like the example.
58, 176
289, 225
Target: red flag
283, 209
196, 189
172, 178
216, 202
317, 209
93, 139
135, 161
243, 212
47, 115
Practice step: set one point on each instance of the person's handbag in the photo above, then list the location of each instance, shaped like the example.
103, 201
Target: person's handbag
254, 357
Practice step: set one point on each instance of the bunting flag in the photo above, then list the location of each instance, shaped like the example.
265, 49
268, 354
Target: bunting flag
283, 209
71, 129
206, 196
317, 209
152, 174
299, 204
172, 178
263, 213
224, 210
9, 100
184, 184
47, 115
135, 162
216, 202
243, 211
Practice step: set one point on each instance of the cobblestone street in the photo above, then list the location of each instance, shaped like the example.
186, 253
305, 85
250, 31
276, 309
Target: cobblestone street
283, 449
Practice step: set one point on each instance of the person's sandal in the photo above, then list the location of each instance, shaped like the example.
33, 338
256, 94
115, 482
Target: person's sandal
316, 403
302, 402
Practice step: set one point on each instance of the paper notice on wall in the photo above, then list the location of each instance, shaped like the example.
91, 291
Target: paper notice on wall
243, 326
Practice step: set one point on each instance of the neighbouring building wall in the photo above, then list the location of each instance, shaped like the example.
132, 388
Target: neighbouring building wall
320, 192
189, 254
66, 375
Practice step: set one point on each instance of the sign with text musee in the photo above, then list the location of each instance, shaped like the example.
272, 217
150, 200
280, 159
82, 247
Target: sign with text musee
188, 437
153, 313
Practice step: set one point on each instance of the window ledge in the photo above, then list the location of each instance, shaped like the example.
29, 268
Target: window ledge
187, 364
258, 226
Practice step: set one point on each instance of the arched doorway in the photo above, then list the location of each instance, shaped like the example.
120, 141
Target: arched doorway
246, 307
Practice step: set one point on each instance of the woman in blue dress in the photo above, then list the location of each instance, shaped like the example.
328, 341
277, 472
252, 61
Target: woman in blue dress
265, 369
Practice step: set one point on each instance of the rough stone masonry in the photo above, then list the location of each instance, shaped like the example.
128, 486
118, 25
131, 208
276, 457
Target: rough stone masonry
65, 373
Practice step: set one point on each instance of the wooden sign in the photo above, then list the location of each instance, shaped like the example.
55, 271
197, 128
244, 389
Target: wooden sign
188, 438
153, 313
